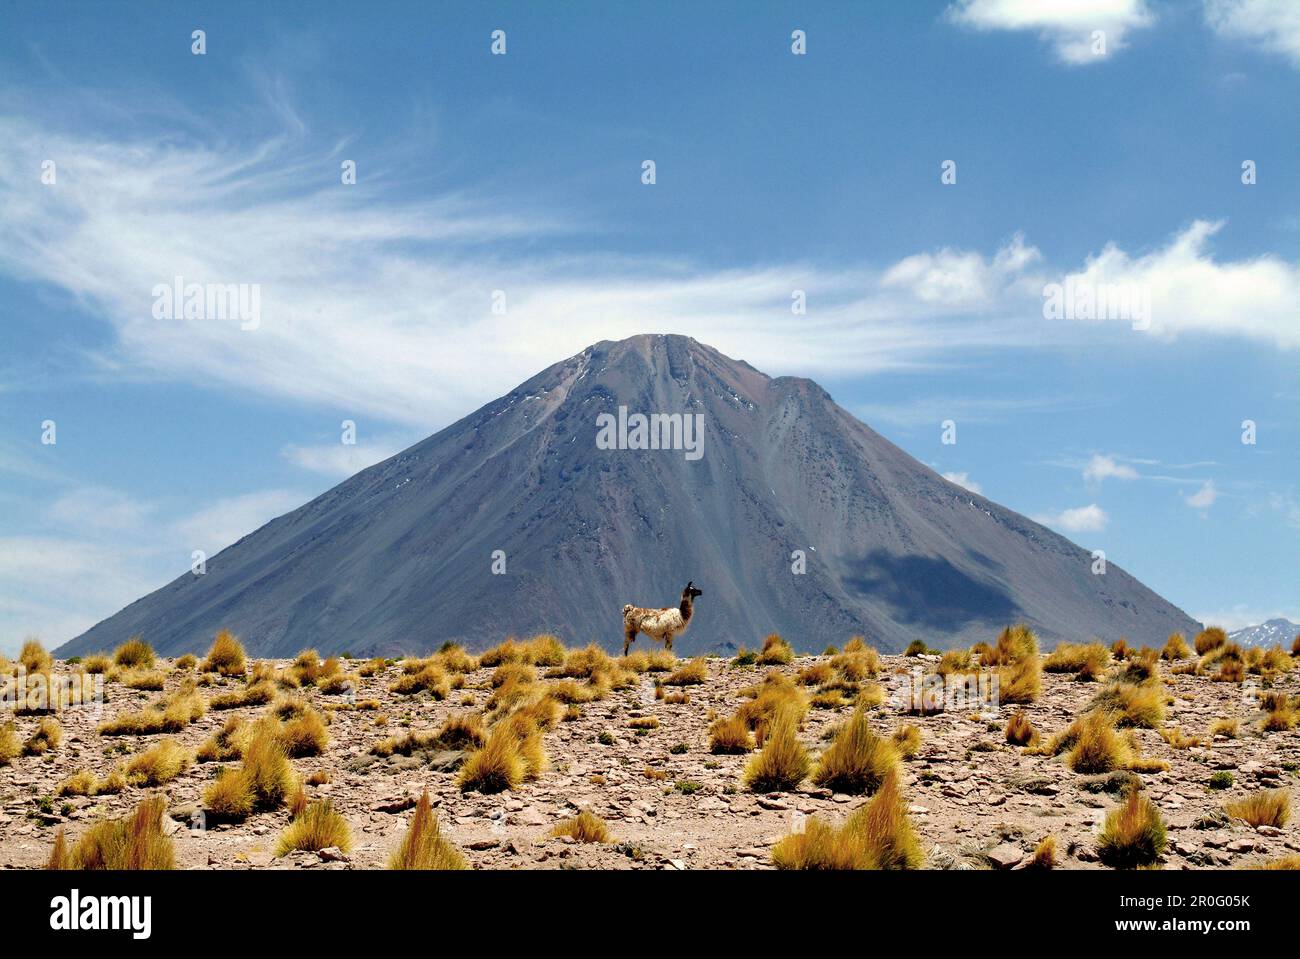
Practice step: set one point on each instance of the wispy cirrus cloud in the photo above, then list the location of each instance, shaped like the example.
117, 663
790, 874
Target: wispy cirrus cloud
376, 303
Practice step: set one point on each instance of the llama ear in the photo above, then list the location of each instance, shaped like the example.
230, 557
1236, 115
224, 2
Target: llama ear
690, 584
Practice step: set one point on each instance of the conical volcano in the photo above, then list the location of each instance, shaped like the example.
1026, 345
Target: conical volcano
614, 477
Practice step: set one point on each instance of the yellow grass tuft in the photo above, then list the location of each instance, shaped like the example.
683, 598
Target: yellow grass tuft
1208, 639
1133, 833
1224, 727
1019, 730
1097, 748
496, 766
1020, 681
10, 745
47, 737
135, 841
135, 653
907, 740
1044, 854
783, 762
227, 743
85, 783
304, 735
1267, 807
876, 836
1132, 705
730, 736
776, 652
584, 827
264, 780
857, 761
1175, 648
423, 846
430, 677
158, 765
257, 693
226, 656
34, 657
316, 827
692, 673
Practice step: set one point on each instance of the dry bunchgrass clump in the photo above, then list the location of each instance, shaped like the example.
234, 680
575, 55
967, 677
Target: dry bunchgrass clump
1097, 747
1283, 862
170, 716
135, 841
1019, 730
227, 743
314, 828
730, 736
10, 745
1044, 854
97, 665
257, 693
34, 657
85, 783
423, 846
1133, 833
584, 827
692, 673
1224, 727
776, 652
1141, 668
776, 694
906, 740
1074, 657
226, 656
1015, 643
857, 662
1208, 639
1175, 648
430, 677
452, 658
187, 662
832, 698
513, 673
159, 765
956, 661
47, 737
783, 762
496, 766
1132, 705
643, 722
304, 735
1120, 649
1177, 739
135, 653
1279, 720
150, 680
264, 780
1020, 681
876, 836
857, 761
815, 675
1267, 807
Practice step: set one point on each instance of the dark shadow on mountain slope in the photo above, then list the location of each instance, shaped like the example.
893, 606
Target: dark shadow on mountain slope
929, 591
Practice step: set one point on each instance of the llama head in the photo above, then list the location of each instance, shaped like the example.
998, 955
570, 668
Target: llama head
690, 592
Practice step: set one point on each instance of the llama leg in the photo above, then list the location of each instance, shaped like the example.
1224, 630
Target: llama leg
670, 642
629, 637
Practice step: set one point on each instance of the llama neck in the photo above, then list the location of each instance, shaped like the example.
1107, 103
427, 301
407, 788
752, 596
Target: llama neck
685, 609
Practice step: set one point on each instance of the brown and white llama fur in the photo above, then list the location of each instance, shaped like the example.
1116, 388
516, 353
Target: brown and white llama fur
659, 624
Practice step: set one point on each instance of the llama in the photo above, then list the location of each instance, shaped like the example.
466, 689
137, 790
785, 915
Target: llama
659, 624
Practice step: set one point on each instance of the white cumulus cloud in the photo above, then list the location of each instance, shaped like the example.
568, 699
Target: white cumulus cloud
1107, 467
1079, 519
1068, 25
1273, 25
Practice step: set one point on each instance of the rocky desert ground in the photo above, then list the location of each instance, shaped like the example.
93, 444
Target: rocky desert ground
632, 741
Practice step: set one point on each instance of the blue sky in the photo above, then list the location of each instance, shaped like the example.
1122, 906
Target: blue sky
522, 173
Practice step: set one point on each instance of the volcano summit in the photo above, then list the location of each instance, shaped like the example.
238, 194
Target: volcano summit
795, 518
